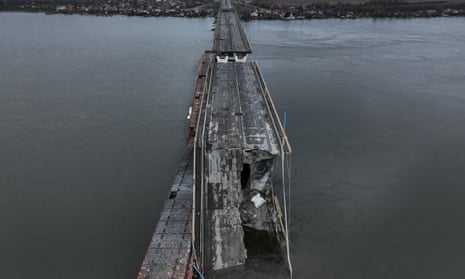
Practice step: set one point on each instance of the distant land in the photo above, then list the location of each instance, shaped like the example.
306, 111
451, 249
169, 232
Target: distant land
334, 2
248, 9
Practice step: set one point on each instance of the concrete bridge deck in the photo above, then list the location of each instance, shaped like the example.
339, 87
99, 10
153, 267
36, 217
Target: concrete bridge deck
237, 141
230, 37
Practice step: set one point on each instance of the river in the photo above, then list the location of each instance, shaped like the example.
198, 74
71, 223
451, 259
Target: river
92, 126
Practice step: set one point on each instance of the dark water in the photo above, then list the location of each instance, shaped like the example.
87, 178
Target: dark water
376, 116
92, 127
92, 118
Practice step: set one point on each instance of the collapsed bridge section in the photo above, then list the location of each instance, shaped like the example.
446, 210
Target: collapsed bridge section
238, 138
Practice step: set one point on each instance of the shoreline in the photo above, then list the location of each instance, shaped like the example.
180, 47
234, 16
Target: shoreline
375, 9
249, 12
242, 17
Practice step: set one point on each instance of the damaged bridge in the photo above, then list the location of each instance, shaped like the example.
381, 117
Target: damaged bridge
236, 145
239, 138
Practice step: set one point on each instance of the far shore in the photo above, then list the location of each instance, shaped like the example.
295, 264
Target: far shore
247, 10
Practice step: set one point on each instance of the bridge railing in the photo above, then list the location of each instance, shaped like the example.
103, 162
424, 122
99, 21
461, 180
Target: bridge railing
198, 174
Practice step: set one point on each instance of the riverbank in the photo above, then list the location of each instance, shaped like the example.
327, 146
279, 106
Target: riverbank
374, 9
255, 11
173, 8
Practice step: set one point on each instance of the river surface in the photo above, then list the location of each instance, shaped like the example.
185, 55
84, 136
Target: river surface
92, 126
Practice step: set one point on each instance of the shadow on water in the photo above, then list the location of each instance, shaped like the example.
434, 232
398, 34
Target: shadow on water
265, 255
262, 245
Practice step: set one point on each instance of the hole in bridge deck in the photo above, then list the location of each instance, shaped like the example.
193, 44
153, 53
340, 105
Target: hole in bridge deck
245, 175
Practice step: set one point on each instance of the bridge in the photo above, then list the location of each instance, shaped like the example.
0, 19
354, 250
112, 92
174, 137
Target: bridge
224, 183
230, 42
